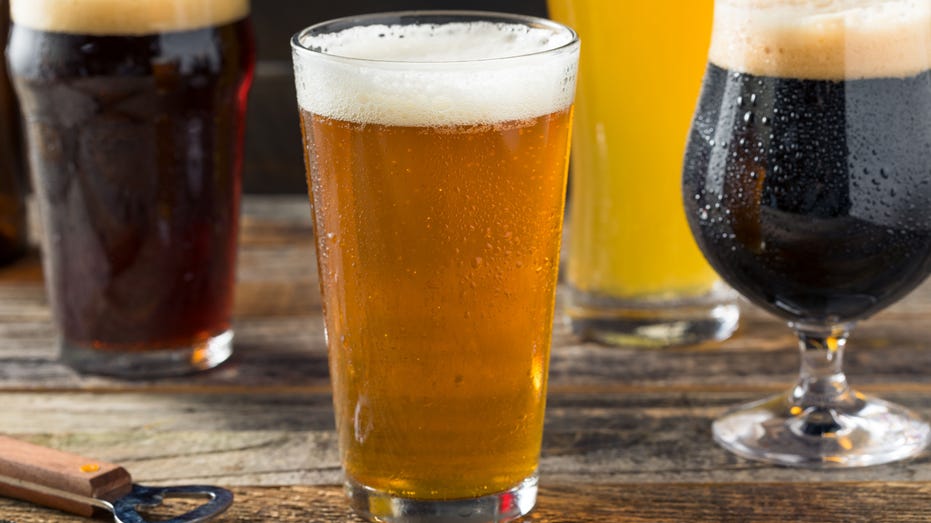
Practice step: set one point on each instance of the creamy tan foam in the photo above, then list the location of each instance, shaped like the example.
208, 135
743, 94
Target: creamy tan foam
428, 75
125, 17
823, 39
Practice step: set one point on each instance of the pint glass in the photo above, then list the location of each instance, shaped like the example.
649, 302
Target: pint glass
436, 149
634, 273
134, 116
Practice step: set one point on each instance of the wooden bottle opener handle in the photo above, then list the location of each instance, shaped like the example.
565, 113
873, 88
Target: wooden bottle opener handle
24, 466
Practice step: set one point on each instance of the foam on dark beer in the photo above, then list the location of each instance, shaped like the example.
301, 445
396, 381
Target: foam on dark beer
822, 39
124, 17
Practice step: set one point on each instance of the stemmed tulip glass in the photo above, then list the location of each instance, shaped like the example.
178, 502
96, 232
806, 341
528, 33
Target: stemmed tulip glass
807, 184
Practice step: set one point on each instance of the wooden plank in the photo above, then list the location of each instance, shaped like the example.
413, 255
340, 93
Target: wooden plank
288, 439
279, 343
627, 435
559, 503
280, 331
276, 350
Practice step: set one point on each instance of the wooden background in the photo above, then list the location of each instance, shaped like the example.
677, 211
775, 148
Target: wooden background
627, 434
273, 161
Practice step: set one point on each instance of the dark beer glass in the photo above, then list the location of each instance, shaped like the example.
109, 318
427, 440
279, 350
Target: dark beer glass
134, 116
13, 228
806, 184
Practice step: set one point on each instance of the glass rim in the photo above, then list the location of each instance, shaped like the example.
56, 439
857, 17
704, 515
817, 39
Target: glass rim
347, 22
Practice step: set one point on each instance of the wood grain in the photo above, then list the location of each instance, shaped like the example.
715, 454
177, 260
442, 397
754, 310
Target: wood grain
627, 434
279, 335
672, 503
288, 439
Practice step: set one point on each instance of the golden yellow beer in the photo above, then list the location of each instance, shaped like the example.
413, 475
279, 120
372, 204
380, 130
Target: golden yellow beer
438, 264
438, 186
640, 74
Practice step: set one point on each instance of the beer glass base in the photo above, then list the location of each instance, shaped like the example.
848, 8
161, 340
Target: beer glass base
610, 321
176, 361
776, 431
382, 507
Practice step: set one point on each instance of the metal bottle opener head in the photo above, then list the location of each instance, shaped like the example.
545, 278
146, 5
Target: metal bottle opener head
125, 509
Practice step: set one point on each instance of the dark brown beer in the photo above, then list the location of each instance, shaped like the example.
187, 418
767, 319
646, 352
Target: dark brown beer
136, 153
13, 230
806, 179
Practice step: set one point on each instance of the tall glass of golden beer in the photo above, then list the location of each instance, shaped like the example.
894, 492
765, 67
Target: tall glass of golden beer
634, 272
437, 147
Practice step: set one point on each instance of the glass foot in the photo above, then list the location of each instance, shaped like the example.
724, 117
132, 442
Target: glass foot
868, 432
159, 363
661, 323
378, 506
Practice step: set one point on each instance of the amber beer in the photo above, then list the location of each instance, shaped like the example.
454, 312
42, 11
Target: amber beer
438, 206
134, 113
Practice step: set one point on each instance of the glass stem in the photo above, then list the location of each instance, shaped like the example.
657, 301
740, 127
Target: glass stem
822, 391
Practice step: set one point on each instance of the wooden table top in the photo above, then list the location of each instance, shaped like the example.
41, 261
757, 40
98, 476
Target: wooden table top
627, 434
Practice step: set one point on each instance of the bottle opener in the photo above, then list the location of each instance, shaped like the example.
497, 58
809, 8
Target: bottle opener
87, 487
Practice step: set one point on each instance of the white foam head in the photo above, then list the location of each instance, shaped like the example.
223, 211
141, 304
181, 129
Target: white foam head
436, 75
823, 39
125, 17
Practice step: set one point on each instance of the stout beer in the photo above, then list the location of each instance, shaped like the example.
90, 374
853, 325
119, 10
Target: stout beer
13, 228
807, 180
134, 115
